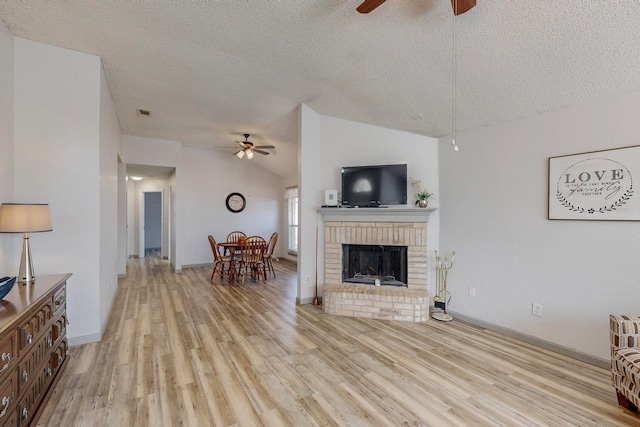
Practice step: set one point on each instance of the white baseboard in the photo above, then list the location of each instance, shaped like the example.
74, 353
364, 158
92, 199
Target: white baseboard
303, 301
85, 339
565, 351
207, 264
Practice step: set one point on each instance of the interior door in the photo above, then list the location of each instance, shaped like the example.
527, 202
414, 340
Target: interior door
152, 220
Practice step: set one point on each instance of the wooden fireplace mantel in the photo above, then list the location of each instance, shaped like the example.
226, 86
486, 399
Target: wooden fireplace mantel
377, 214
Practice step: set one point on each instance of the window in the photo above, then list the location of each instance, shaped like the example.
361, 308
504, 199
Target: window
291, 194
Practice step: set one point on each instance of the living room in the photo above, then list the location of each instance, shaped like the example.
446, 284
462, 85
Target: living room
491, 196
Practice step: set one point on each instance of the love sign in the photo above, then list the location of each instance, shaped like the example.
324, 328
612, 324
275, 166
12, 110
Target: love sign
595, 186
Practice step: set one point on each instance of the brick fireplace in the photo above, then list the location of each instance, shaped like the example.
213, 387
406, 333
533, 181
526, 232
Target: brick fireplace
388, 227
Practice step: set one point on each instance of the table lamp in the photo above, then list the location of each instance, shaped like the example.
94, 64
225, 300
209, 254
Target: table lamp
25, 218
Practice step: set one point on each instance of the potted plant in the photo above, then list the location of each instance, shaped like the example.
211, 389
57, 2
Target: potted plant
422, 193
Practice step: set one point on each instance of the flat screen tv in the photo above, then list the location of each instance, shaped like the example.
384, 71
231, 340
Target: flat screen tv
373, 186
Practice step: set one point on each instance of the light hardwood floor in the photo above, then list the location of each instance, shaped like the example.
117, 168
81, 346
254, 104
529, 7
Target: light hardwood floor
179, 350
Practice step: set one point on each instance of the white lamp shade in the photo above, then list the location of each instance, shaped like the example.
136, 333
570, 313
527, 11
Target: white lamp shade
249, 154
24, 218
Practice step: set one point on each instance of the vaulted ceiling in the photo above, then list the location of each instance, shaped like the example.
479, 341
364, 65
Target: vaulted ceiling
210, 71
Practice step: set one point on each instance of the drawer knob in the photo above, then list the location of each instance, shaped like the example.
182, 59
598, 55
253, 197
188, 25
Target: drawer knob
6, 357
5, 405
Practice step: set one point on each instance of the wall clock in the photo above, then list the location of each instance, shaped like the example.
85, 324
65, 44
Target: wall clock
235, 202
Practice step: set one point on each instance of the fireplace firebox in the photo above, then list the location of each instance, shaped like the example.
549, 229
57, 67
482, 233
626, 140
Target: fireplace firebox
368, 264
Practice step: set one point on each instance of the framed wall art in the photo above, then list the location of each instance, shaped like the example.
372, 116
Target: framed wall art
598, 185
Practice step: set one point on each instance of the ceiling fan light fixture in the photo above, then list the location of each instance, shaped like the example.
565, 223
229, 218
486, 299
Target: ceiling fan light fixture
248, 148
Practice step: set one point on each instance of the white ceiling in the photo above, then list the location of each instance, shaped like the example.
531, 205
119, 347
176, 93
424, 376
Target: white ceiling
210, 71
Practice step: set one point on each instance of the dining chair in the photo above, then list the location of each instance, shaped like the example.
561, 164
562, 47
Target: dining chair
219, 261
234, 236
252, 257
268, 254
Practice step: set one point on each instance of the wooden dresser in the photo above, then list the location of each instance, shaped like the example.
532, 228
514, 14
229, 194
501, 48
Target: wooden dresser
33, 347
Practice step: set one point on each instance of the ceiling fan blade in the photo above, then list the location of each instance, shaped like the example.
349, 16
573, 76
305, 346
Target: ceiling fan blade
236, 152
462, 6
260, 151
369, 5
271, 147
241, 144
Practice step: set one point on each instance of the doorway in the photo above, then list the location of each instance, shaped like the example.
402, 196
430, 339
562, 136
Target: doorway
152, 224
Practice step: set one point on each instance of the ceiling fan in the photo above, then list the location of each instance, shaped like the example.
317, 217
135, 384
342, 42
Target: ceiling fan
459, 6
248, 148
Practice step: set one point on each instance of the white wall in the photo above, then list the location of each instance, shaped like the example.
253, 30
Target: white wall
110, 145
122, 219
328, 144
172, 216
57, 156
208, 180
494, 214
6, 142
310, 167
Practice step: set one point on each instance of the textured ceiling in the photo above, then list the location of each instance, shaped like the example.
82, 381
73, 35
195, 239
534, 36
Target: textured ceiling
210, 71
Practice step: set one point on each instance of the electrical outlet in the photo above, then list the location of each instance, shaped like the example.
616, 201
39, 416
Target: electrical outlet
472, 291
536, 309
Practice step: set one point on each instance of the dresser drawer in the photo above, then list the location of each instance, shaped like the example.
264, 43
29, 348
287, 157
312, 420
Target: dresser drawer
8, 351
33, 326
8, 393
39, 353
12, 421
58, 356
59, 328
31, 398
60, 299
